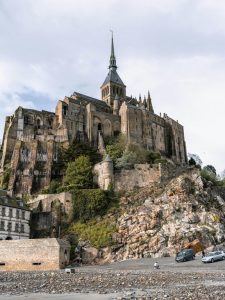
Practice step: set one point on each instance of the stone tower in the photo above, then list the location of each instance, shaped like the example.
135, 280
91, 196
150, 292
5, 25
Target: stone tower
113, 85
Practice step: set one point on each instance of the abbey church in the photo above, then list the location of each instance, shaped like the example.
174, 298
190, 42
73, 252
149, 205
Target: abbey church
32, 138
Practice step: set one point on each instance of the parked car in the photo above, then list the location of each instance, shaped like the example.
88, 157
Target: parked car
185, 255
213, 256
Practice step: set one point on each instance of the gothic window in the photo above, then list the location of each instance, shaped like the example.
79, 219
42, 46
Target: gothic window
64, 110
114, 90
117, 91
38, 123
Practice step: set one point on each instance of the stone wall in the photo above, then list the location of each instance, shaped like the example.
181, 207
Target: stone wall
46, 200
34, 254
142, 175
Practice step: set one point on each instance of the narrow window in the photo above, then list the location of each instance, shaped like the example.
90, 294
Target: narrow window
2, 264
16, 227
10, 212
22, 228
3, 211
23, 215
17, 214
2, 225
9, 226
36, 263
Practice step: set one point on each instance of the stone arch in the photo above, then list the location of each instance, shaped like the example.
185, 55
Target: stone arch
107, 128
38, 122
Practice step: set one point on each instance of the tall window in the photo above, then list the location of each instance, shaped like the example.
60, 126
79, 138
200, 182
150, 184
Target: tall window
2, 224
17, 214
22, 228
9, 226
3, 211
10, 212
23, 215
16, 227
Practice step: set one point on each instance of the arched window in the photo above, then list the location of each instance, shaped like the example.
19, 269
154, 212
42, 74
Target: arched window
38, 123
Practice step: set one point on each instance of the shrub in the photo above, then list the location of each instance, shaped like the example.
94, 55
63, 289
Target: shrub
52, 188
99, 234
127, 161
89, 203
6, 178
116, 147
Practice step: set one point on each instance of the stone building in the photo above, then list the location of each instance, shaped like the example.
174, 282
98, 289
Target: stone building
32, 138
34, 255
14, 218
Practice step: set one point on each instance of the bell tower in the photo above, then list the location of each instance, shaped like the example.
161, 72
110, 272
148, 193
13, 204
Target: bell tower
113, 85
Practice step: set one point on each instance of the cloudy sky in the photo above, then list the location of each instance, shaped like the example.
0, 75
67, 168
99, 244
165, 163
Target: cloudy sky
174, 48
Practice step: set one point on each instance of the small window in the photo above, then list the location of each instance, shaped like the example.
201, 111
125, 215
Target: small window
2, 264
22, 228
3, 211
17, 214
23, 215
10, 212
36, 263
16, 227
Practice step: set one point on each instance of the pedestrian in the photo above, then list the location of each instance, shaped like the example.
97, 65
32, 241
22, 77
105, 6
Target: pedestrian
203, 253
156, 265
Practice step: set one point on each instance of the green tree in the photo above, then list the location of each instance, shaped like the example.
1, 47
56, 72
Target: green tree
79, 173
77, 149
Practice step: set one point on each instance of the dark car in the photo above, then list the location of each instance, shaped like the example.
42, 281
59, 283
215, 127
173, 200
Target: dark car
184, 255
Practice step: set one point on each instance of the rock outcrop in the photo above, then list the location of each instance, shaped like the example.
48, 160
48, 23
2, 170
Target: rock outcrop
160, 220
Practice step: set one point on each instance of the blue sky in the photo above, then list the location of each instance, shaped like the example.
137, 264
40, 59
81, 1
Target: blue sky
175, 49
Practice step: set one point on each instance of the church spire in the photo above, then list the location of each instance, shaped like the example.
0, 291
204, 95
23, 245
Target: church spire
112, 62
149, 103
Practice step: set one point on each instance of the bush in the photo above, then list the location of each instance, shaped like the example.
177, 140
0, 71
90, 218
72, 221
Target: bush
127, 161
52, 188
116, 147
6, 178
99, 234
89, 203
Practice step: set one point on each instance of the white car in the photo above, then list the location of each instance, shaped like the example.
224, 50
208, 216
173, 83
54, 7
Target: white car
213, 256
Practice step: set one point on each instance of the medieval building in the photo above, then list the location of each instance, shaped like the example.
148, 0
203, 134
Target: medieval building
32, 138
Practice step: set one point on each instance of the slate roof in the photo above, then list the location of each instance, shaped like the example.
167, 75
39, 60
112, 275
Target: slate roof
13, 202
113, 77
97, 102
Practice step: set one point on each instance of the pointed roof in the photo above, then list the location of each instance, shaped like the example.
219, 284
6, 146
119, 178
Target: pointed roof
113, 76
149, 103
112, 61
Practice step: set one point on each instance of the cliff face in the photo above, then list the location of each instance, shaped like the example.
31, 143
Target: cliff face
160, 220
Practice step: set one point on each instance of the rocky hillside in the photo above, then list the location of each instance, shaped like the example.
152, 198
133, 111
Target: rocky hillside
161, 219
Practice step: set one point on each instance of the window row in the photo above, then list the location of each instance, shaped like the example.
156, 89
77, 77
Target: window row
10, 214
18, 227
